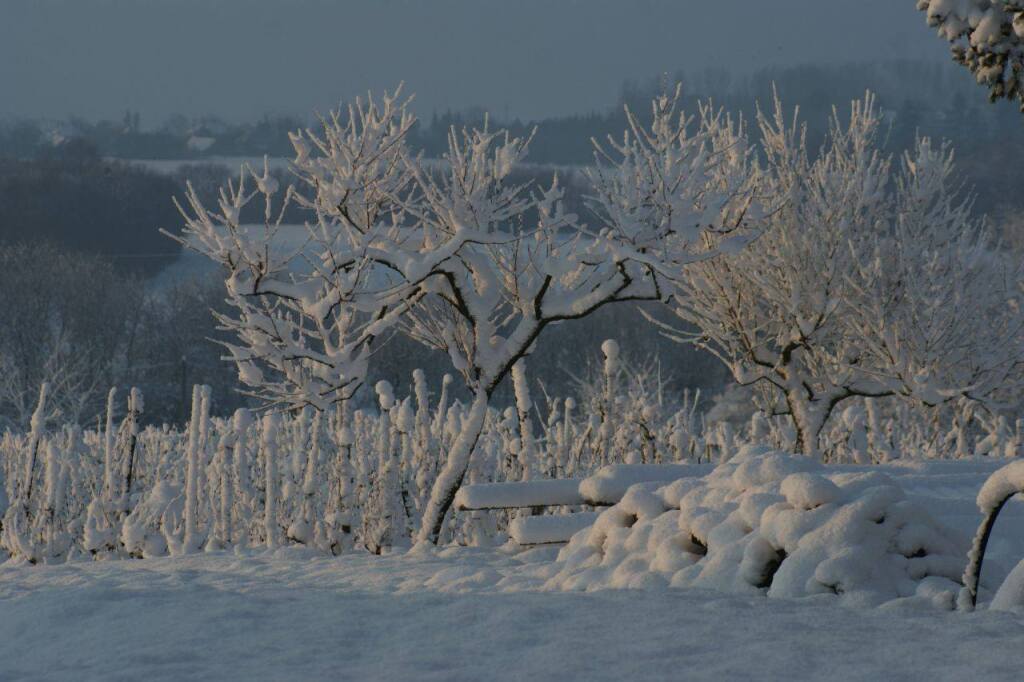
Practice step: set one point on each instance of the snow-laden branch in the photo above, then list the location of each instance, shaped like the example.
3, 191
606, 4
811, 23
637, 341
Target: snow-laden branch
986, 37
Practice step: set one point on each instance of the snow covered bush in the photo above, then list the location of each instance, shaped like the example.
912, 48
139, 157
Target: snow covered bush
773, 523
864, 283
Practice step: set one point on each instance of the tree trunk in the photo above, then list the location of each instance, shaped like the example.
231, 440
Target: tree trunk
809, 417
450, 478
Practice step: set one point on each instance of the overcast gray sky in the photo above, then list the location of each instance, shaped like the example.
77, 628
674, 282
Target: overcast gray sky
243, 58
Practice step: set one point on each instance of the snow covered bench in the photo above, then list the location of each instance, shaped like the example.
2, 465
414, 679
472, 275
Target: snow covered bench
605, 488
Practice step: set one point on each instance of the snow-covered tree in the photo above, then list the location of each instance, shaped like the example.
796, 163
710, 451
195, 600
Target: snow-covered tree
458, 258
986, 37
862, 284
658, 191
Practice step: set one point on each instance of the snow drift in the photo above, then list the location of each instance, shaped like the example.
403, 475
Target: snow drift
773, 523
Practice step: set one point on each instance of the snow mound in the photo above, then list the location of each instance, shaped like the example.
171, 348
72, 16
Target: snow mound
772, 523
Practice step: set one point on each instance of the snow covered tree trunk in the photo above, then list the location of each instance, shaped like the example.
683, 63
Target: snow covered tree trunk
450, 477
809, 417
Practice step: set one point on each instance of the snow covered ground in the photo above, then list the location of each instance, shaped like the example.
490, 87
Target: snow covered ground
484, 614
290, 615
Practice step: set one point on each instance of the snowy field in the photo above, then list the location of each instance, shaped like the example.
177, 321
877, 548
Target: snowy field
487, 614
293, 616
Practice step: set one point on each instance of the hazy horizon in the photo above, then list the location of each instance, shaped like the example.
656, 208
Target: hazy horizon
530, 59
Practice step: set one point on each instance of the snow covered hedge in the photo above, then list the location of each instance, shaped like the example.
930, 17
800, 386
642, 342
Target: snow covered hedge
774, 523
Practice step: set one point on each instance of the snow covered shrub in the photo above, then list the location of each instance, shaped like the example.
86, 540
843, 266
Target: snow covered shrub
771, 523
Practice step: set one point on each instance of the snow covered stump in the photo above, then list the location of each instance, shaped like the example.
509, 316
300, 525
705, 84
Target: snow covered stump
772, 523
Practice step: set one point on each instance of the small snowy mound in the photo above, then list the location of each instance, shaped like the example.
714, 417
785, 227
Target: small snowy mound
775, 523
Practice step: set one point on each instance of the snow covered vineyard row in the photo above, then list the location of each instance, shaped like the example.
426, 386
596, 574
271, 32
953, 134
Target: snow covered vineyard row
340, 480
332, 480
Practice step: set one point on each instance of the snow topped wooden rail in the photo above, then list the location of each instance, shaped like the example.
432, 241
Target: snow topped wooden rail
519, 495
605, 488
993, 496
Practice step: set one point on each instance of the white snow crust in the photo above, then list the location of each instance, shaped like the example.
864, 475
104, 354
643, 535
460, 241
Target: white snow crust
461, 614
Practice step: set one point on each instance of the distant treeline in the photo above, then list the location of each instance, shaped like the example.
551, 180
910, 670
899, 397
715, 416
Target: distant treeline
934, 99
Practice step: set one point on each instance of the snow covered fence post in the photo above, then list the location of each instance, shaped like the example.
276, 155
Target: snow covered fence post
302, 528
109, 439
135, 408
241, 423
35, 433
192, 540
610, 348
527, 444
346, 498
268, 444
